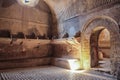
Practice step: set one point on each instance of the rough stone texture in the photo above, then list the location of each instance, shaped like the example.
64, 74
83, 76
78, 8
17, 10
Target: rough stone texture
24, 53
75, 14
104, 43
72, 64
63, 19
85, 16
66, 48
78, 22
31, 21
24, 34
65, 51
118, 71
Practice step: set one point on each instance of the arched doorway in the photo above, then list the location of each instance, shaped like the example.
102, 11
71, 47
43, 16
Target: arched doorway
112, 26
100, 49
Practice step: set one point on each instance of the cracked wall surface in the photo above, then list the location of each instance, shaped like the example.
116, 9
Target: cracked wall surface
59, 30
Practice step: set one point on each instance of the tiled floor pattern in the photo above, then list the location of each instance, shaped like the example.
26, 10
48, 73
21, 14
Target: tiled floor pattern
52, 73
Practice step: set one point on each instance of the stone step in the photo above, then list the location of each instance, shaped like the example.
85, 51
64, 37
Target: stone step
72, 64
105, 63
107, 70
105, 60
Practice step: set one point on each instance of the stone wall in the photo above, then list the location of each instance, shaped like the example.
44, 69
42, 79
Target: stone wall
78, 20
30, 21
66, 50
24, 52
24, 34
104, 43
83, 17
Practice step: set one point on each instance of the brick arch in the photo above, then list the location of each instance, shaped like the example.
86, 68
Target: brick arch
112, 27
99, 17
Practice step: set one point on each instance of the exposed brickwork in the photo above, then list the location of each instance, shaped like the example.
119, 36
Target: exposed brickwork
80, 14
113, 30
63, 19
69, 48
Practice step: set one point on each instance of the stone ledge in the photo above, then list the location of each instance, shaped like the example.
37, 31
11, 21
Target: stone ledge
21, 63
72, 64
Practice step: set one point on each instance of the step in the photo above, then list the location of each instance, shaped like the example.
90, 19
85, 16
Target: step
72, 64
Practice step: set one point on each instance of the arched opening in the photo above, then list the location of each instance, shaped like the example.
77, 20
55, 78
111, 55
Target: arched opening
94, 27
104, 44
100, 49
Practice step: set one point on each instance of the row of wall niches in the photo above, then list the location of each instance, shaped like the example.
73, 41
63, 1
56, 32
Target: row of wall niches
21, 35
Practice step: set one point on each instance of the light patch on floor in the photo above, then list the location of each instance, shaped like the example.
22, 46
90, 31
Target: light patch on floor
50, 73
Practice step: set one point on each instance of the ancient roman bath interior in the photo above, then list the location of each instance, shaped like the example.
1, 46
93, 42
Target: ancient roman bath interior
68, 34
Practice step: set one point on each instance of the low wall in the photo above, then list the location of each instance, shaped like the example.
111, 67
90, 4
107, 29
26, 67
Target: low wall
24, 52
66, 53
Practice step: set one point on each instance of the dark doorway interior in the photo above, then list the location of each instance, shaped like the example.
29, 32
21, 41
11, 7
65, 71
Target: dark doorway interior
100, 49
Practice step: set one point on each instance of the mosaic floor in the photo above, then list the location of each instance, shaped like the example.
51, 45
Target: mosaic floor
52, 73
